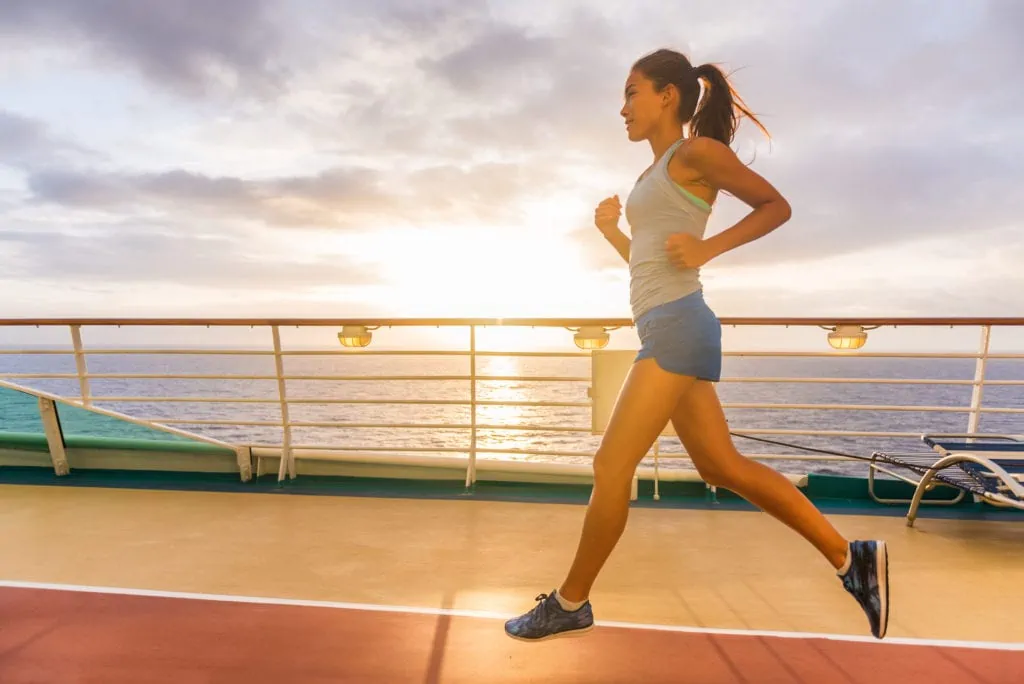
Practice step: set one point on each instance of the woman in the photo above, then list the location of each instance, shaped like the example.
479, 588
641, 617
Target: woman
680, 356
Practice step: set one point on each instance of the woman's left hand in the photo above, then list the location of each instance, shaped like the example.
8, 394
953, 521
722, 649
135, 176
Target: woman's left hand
686, 251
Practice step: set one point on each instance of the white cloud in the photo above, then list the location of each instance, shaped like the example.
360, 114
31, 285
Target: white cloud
381, 131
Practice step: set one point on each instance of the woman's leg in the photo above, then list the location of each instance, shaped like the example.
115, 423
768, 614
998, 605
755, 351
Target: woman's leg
700, 423
863, 566
643, 408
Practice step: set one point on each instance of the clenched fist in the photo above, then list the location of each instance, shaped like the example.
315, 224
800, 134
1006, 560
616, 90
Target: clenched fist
686, 251
606, 216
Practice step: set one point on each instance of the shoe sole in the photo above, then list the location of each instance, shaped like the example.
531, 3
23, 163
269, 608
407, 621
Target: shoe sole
882, 563
569, 634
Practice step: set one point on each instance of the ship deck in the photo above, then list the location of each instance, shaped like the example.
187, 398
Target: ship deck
135, 585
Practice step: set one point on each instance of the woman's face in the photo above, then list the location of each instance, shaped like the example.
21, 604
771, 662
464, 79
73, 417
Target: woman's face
644, 106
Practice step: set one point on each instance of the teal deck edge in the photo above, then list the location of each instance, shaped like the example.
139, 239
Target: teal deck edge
831, 493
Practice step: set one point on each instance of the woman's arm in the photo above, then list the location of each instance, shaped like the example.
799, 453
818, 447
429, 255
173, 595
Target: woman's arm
606, 218
720, 167
620, 241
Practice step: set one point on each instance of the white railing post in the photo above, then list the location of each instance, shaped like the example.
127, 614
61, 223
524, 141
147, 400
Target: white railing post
83, 371
657, 452
978, 391
54, 436
287, 458
471, 468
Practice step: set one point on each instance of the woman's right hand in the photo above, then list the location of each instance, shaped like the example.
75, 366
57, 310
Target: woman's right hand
606, 216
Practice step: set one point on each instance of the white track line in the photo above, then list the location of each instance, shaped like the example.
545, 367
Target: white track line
413, 610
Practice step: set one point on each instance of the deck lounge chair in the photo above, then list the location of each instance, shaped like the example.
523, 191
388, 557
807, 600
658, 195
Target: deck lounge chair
990, 467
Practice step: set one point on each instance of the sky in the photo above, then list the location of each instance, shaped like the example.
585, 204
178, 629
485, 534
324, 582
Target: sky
412, 158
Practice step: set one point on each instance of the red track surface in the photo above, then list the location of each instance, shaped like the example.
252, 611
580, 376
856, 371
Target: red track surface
90, 638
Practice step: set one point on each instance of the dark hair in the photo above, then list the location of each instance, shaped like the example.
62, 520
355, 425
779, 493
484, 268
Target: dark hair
718, 112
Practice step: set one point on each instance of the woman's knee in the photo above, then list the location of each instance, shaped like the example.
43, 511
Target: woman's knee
611, 470
719, 472
713, 476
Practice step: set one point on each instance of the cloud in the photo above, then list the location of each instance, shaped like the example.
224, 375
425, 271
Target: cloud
343, 197
191, 46
500, 59
147, 253
26, 142
401, 113
20, 136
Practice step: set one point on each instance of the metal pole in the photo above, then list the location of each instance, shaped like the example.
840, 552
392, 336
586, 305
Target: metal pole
287, 458
471, 470
83, 371
978, 390
54, 435
657, 450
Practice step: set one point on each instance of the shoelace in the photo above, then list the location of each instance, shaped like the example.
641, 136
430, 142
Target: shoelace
541, 611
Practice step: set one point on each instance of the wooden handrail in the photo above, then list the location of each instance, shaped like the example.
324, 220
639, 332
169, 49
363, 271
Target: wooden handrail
510, 322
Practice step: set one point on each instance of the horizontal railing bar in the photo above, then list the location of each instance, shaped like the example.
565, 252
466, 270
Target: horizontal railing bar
494, 427
535, 354
228, 376
375, 378
403, 426
479, 378
853, 381
531, 378
184, 400
374, 352
587, 429
394, 449
26, 352
535, 428
434, 352
533, 404
535, 452
539, 404
825, 433
212, 351
662, 456
849, 407
383, 450
212, 421
484, 378
313, 400
440, 426
854, 355
140, 376
498, 322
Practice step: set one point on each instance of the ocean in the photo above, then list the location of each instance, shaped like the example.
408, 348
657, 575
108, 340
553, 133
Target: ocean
18, 413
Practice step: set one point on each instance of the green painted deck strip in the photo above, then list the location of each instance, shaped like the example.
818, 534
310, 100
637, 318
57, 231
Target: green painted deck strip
828, 494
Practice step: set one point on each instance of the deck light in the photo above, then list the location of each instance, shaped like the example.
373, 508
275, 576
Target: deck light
590, 337
355, 336
847, 337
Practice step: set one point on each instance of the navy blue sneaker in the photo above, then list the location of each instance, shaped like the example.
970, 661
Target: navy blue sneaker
549, 620
867, 580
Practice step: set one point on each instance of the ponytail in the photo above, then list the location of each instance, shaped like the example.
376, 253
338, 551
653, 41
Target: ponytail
720, 107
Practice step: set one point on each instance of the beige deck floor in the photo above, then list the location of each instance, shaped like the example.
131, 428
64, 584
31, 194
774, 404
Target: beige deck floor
949, 579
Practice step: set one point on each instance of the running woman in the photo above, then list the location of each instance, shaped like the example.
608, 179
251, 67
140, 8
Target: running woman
673, 376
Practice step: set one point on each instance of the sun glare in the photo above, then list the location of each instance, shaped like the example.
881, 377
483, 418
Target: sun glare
482, 272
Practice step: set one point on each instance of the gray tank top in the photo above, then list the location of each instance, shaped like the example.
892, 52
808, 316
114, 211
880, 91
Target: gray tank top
656, 208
